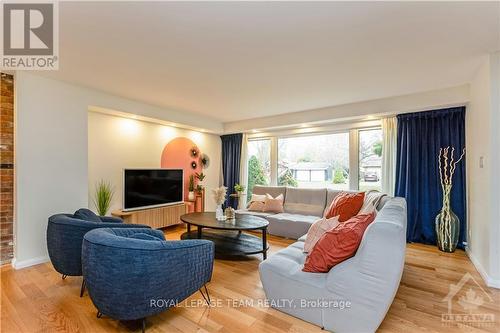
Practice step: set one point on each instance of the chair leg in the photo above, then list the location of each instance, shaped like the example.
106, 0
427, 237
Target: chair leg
82, 290
143, 325
207, 296
64, 276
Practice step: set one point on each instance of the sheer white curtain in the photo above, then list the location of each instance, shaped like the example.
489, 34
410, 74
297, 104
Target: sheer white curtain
389, 149
243, 168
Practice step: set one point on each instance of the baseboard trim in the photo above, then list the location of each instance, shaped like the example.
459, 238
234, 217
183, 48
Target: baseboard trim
490, 282
28, 262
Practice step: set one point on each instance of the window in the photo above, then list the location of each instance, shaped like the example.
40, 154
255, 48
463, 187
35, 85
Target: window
370, 159
259, 164
314, 161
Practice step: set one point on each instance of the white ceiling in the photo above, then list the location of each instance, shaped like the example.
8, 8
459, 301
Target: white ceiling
238, 60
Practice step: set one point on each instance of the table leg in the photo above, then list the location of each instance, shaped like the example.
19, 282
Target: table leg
264, 243
199, 232
188, 227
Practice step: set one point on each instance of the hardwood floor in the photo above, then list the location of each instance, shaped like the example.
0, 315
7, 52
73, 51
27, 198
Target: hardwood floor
36, 299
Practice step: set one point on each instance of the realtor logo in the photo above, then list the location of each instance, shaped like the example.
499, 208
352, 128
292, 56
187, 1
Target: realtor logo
30, 36
464, 302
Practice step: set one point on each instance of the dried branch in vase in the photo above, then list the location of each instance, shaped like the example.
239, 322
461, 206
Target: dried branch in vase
219, 194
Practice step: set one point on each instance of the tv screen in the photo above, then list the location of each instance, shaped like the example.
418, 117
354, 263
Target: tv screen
153, 187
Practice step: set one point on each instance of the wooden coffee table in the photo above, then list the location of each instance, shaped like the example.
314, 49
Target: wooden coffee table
228, 236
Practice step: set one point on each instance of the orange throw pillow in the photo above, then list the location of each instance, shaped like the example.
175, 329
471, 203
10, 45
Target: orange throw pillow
345, 205
338, 244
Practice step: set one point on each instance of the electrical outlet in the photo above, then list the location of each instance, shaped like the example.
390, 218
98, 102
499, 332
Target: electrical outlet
481, 162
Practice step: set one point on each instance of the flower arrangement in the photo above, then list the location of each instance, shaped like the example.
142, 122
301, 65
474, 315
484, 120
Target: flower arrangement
447, 223
219, 194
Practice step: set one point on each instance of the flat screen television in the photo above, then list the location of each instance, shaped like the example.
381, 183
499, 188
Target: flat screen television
147, 188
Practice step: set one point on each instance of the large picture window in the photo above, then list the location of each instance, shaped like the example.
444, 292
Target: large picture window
345, 160
314, 161
259, 164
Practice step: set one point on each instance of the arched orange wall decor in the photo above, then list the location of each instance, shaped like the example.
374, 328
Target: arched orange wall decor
177, 155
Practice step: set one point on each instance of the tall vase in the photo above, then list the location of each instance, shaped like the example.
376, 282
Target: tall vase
447, 224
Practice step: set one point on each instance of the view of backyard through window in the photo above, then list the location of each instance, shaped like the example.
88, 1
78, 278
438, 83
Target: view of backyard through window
370, 159
316, 161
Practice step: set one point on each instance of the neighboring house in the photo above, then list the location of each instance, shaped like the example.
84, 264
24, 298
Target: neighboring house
311, 171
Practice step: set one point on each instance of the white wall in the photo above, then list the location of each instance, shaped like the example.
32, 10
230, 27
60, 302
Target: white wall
51, 154
115, 143
428, 100
482, 134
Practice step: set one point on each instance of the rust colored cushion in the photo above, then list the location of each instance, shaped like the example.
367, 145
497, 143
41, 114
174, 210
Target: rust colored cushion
274, 205
338, 244
345, 205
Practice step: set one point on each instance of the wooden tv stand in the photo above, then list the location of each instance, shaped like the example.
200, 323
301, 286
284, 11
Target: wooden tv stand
156, 218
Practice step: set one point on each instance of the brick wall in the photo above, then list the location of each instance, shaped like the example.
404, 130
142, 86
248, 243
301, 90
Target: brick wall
6, 168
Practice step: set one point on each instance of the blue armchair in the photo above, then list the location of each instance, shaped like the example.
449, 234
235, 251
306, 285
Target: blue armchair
135, 273
65, 236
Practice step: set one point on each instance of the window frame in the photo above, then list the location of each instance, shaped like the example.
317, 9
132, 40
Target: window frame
353, 148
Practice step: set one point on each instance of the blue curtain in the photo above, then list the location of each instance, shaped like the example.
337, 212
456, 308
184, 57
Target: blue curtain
420, 135
231, 157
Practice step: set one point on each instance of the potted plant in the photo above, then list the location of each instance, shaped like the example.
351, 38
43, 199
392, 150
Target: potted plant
239, 189
102, 197
201, 177
191, 188
199, 189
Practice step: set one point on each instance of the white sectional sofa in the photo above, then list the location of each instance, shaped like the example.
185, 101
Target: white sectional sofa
368, 281
302, 206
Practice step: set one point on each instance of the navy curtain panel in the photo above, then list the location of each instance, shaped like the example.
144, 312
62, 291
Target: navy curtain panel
420, 135
231, 157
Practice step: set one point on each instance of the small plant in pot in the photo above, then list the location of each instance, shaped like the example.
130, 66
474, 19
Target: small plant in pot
238, 188
201, 177
191, 188
102, 197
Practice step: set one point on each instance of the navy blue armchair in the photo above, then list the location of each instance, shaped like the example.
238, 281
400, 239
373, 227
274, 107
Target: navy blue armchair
65, 236
134, 273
